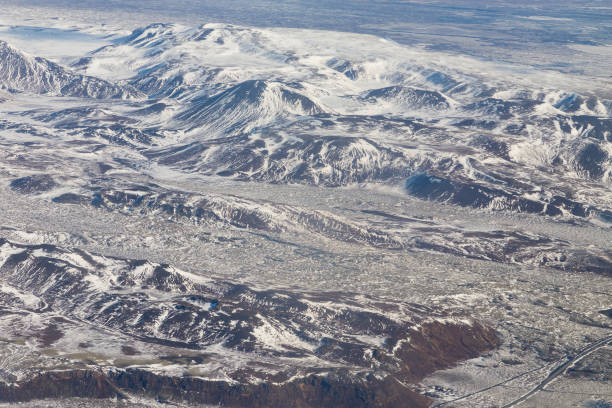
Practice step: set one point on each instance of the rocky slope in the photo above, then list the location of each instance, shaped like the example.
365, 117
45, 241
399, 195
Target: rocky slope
22, 72
246, 347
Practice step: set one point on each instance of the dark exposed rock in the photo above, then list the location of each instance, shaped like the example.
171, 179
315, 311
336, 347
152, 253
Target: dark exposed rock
434, 188
38, 183
345, 67
569, 103
61, 384
607, 312
477, 123
592, 126
155, 108
595, 367
467, 195
591, 160
409, 97
501, 109
70, 198
496, 147
313, 391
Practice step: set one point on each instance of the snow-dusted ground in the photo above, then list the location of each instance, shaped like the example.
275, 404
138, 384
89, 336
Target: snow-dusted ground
279, 158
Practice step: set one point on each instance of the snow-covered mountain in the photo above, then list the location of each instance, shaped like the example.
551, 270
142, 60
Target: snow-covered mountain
244, 107
399, 114
410, 99
288, 106
185, 208
278, 106
22, 72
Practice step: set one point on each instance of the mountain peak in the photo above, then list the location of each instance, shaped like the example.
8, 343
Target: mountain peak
23, 72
